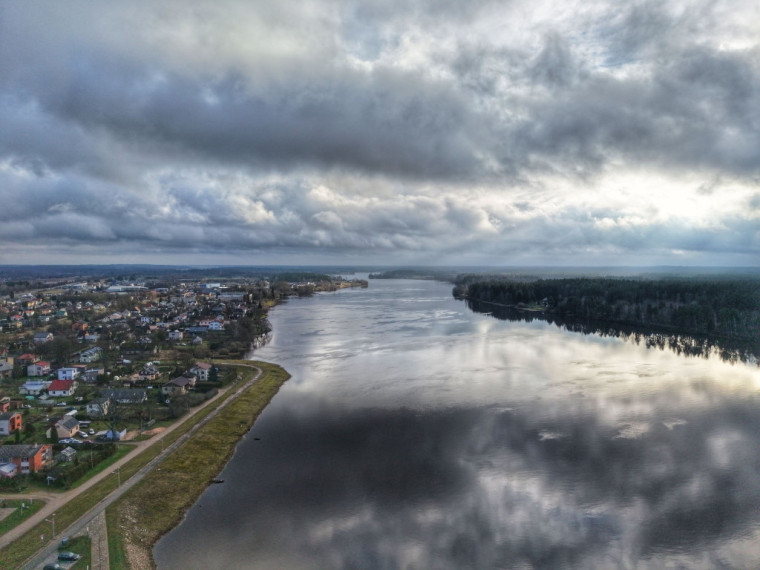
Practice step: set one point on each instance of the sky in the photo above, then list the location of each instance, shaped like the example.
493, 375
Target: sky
518, 132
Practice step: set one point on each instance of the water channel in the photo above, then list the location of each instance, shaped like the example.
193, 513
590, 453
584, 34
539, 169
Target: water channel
417, 434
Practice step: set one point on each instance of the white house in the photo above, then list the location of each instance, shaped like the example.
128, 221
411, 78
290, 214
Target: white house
40, 368
68, 373
201, 370
62, 388
175, 335
215, 326
98, 407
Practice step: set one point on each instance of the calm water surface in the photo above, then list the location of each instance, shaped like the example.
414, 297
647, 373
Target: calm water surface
416, 434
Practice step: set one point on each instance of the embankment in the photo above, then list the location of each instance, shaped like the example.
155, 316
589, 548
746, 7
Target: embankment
159, 502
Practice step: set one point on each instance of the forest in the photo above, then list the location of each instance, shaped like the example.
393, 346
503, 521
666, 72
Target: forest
727, 307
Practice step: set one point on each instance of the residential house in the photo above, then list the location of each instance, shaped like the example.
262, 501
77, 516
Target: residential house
68, 373
91, 374
176, 386
29, 458
126, 396
191, 377
175, 335
149, 372
90, 355
62, 388
26, 359
10, 422
67, 426
112, 435
33, 387
98, 407
42, 337
6, 369
41, 368
201, 371
215, 326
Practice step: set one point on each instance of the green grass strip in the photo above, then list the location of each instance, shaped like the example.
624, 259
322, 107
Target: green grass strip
83, 546
19, 515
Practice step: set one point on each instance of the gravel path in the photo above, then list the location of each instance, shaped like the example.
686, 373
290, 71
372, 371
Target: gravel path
99, 542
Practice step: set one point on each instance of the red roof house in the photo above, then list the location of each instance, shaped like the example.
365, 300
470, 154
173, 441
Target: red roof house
62, 388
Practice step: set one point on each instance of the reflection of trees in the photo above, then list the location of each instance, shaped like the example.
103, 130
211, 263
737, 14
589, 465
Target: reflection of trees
728, 350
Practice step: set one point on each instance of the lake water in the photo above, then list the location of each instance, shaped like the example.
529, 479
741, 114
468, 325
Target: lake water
417, 434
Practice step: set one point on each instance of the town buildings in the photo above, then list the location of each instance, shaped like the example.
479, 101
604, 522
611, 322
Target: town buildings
27, 458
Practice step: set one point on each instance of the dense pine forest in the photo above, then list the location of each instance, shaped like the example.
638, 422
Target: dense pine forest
720, 307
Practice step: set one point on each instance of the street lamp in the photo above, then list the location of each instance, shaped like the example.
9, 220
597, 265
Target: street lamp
118, 475
52, 521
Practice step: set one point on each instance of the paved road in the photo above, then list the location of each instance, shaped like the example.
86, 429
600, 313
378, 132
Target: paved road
81, 526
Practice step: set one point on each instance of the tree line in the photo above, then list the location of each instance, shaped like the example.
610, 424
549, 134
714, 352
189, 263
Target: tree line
723, 307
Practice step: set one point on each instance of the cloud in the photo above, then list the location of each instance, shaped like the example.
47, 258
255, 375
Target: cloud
427, 126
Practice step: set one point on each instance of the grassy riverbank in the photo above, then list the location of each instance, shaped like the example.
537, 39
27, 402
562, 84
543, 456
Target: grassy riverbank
20, 550
156, 504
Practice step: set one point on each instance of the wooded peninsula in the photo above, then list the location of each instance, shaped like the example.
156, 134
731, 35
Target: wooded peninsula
725, 307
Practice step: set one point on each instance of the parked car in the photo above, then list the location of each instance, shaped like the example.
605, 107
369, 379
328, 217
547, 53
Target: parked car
55, 566
68, 556
91, 431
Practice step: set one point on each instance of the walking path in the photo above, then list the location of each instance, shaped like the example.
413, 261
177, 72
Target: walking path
55, 501
99, 542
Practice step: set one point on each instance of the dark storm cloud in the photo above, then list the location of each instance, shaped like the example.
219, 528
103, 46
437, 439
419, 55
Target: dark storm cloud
388, 121
403, 122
